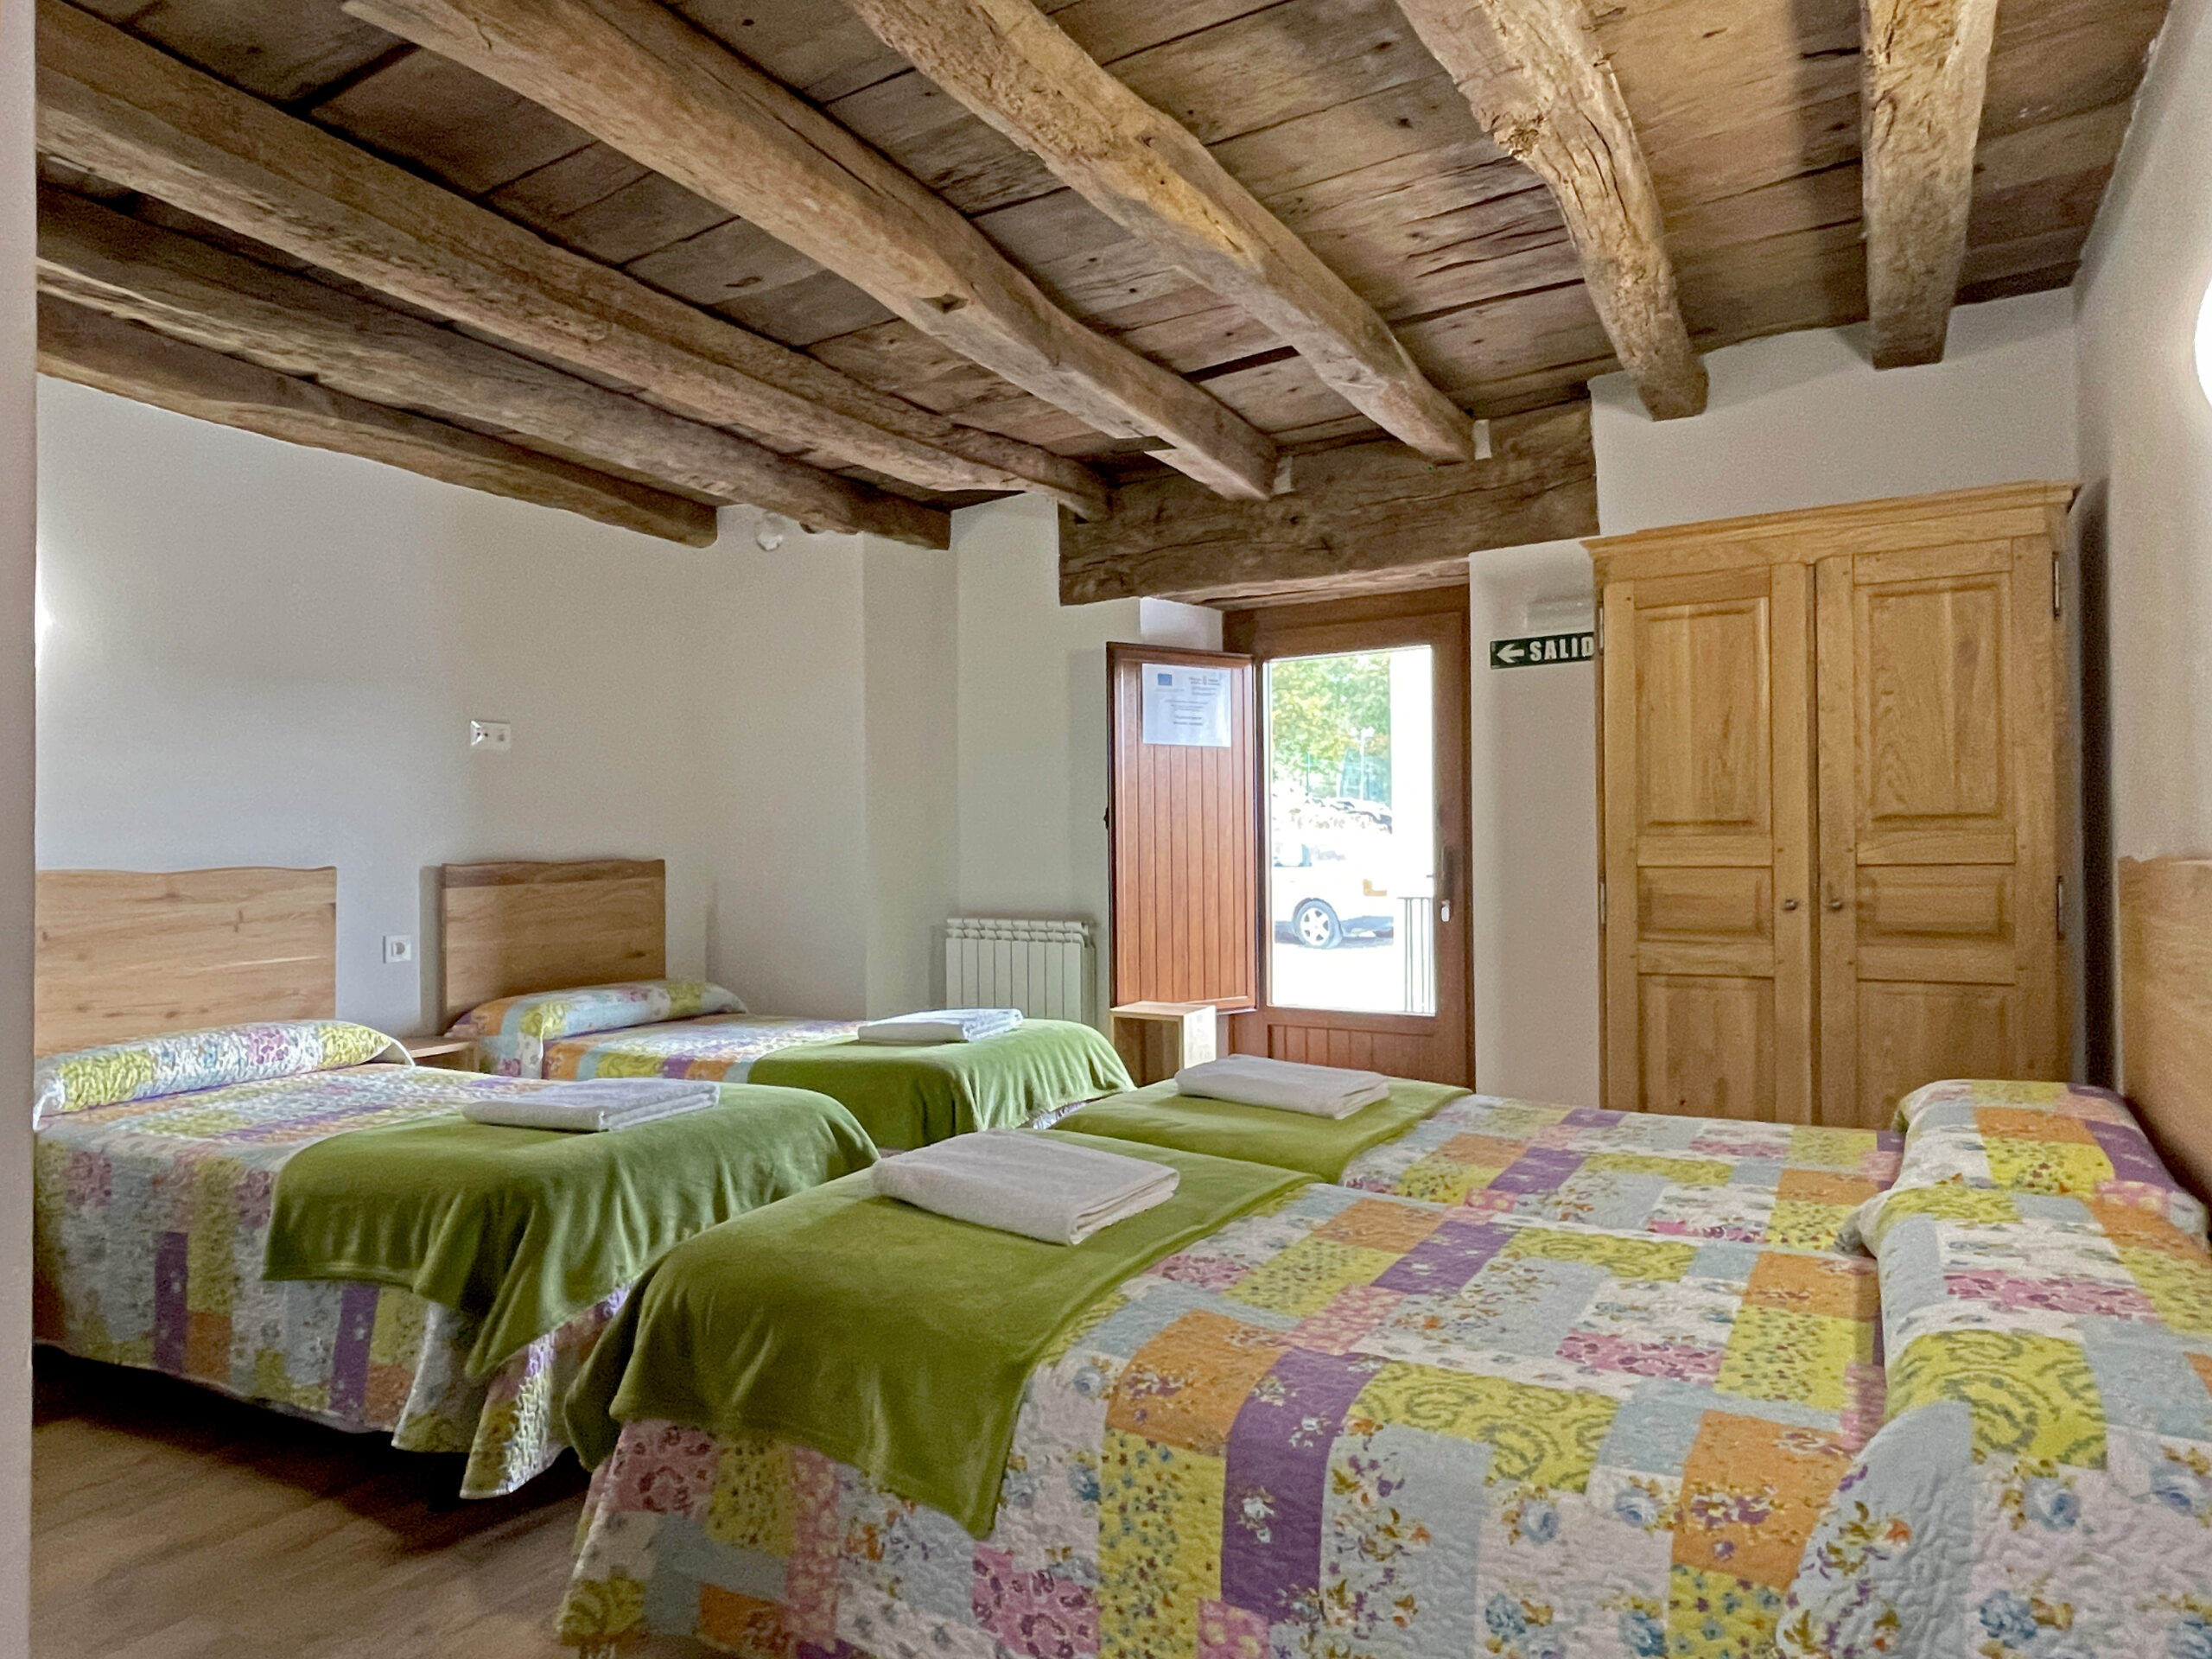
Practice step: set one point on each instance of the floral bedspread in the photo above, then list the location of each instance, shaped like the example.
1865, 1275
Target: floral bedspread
2068, 1138
1344, 1425
1687, 1177
721, 1047
2043, 1489
151, 1225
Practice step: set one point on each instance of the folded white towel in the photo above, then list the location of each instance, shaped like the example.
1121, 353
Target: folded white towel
1317, 1091
1019, 1182
592, 1104
942, 1025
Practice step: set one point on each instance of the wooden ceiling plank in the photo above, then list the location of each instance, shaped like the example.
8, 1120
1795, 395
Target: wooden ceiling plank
1358, 510
125, 110
97, 257
1925, 66
113, 355
639, 77
1016, 70
1540, 81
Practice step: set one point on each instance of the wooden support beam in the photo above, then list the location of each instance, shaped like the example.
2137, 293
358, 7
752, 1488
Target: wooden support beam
634, 75
93, 257
113, 105
1540, 82
1362, 519
1018, 71
1923, 70
135, 362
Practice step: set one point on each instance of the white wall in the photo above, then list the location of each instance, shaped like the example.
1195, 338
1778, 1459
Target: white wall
912, 801
1803, 420
2146, 448
1534, 884
1032, 714
261, 654
18, 480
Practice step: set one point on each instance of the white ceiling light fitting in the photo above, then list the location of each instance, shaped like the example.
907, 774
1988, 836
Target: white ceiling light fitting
2204, 343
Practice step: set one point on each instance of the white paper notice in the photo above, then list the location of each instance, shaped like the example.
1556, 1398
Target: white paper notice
1187, 707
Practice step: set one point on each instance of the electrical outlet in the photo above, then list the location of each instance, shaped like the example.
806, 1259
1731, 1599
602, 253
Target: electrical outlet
490, 737
398, 947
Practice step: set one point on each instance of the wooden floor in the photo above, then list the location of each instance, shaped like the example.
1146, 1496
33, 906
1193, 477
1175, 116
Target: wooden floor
169, 1523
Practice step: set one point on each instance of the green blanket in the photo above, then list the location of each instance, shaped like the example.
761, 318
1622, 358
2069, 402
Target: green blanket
883, 1336
1321, 1147
525, 1229
915, 1096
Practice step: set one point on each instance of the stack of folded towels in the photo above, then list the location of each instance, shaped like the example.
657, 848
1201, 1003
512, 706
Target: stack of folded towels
1035, 1185
942, 1025
1318, 1090
592, 1104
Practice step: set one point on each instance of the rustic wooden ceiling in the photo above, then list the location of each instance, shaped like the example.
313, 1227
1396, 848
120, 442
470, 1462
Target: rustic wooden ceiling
1331, 112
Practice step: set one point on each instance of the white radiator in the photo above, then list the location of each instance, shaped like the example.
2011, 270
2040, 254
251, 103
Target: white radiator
1041, 968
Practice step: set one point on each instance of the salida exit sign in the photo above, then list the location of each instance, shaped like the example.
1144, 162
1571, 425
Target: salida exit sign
1540, 649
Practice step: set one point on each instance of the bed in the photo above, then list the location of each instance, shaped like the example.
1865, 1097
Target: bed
555, 969
214, 1148
1348, 1420
1679, 1177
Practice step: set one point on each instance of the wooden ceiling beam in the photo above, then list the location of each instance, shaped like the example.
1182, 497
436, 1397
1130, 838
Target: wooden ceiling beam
1017, 70
115, 107
1924, 67
132, 361
635, 76
1366, 516
1540, 81
93, 257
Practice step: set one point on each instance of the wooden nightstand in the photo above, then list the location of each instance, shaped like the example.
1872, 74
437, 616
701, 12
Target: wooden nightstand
1157, 1039
445, 1053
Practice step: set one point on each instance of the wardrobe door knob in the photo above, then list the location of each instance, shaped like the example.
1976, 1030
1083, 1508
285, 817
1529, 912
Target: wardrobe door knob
1834, 903
1789, 904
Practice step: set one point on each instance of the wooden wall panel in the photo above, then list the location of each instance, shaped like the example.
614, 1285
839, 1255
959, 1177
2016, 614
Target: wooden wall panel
127, 953
1184, 828
2165, 1005
514, 927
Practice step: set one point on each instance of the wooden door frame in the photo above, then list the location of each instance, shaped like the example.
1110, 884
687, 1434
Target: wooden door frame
1350, 625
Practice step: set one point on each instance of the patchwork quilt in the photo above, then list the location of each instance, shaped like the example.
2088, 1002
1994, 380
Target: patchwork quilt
2043, 1489
2066, 1139
721, 1047
151, 1226
1345, 1424
1682, 1176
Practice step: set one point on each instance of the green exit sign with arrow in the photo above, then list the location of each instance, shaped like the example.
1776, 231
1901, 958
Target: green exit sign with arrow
1543, 648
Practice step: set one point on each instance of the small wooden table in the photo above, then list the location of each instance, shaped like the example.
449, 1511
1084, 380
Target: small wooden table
445, 1053
1157, 1039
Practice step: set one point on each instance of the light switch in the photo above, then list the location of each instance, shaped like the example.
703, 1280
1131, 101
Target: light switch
490, 737
398, 947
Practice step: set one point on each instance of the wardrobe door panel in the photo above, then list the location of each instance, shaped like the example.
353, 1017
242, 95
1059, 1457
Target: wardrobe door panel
1938, 907
1708, 1045
1909, 1034
1708, 856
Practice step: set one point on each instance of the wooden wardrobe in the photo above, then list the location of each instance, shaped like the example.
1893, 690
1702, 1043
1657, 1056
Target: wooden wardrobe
1835, 794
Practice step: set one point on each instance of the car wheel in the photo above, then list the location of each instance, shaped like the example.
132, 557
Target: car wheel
1316, 927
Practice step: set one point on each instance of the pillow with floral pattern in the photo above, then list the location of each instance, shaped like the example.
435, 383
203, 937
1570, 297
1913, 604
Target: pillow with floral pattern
510, 1034
2058, 1139
179, 1062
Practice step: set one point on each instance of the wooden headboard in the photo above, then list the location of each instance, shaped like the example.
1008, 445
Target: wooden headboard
2166, 1007
515, 927
128, 953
